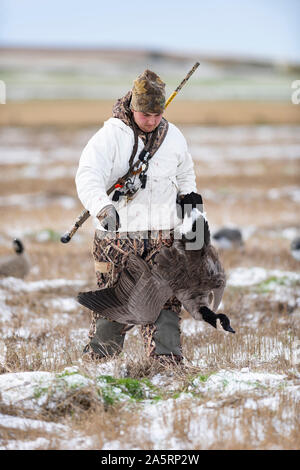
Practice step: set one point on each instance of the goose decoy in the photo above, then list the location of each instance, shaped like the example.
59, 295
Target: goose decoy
228, 238
295, 248
17, 265
195, 276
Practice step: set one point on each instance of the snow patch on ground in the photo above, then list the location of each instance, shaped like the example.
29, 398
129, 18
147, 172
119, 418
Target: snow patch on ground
280, 286
14, 284
30, 201
15, 422
3, 351
64, 304
241, 276
6, 312
52, 433
228, 382
190, 327
19, 388
31, 390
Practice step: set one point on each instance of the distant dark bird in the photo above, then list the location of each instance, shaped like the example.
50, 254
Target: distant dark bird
295, 248
195, 276
17, 265
228, 238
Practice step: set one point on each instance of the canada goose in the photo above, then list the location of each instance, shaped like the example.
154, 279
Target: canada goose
195, 277
295, 248
228, 238
15, 265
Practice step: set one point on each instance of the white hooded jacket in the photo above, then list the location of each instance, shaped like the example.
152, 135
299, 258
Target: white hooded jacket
105, 159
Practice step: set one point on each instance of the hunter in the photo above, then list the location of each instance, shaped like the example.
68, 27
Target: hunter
135, 220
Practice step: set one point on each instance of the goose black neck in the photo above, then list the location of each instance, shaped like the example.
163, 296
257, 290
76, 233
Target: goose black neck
19, 247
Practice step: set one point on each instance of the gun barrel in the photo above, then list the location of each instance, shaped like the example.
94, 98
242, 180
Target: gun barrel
187, 77
79, 221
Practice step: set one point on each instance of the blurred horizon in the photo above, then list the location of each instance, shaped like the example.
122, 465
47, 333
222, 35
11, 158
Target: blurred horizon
260, 30
90, 52
107, 74
215, 57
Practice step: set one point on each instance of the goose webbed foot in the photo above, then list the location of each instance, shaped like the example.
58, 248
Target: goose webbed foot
210, 317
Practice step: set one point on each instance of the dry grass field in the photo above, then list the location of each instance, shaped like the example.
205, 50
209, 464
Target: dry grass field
91, 112
235, 391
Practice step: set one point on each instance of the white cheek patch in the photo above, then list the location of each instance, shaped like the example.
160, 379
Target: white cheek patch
219, 326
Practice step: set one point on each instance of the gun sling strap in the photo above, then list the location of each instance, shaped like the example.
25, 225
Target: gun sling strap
152, 142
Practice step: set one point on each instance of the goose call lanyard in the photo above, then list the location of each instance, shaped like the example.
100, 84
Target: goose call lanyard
129, 186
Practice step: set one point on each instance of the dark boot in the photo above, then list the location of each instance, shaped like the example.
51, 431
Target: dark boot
162, 339
107, 341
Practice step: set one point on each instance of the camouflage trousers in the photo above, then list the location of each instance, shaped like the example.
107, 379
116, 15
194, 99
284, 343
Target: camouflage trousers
110, 251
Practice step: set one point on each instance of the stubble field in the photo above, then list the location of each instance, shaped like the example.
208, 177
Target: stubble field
235, 391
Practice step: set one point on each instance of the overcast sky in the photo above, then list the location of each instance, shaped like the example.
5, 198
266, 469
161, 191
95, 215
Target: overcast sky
256, 28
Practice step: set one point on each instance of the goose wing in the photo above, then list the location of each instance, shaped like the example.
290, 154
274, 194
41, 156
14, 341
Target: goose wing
171, 265
137, 298
146, 295
197, 277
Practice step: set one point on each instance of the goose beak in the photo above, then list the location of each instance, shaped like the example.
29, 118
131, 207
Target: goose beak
224, 320
229, 329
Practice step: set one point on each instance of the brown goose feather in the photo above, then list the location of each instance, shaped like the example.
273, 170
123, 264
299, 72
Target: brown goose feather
137, 298
141, 292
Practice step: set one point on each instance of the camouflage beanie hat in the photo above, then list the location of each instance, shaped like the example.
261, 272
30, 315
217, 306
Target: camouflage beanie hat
148, 93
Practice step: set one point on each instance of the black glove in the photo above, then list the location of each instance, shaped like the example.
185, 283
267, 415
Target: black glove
189, 202
109, 218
